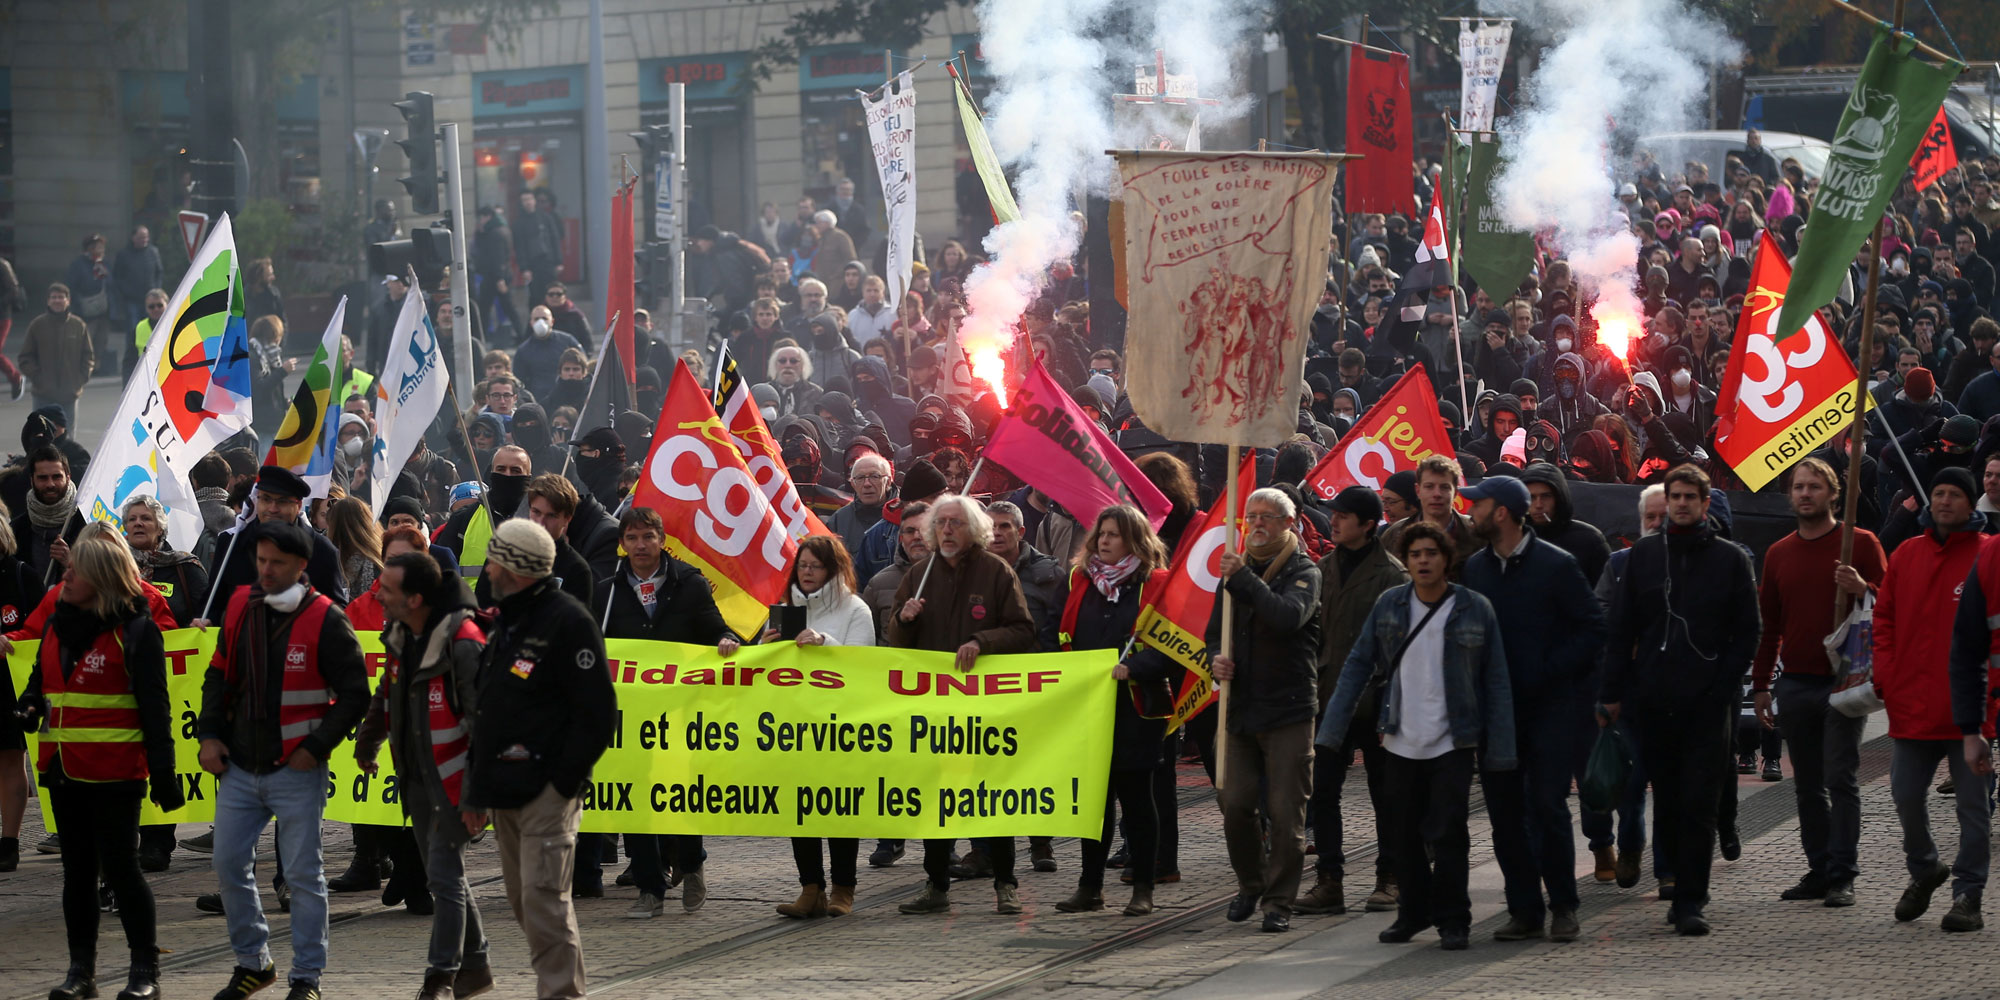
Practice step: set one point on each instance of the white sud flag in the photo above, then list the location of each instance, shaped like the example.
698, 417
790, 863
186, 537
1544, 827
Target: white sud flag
408, 393
892, 122
163, 424
1482, 57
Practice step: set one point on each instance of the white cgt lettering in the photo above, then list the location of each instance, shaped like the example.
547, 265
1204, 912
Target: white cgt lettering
1202, 560
1803, 352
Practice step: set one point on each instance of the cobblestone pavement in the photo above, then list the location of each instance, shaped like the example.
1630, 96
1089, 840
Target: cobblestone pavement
738, 947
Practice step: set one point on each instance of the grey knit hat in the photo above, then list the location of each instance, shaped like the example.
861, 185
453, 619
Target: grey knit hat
522, 548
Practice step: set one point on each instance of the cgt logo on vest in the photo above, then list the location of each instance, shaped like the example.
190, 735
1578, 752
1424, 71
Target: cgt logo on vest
295, 658
93, 662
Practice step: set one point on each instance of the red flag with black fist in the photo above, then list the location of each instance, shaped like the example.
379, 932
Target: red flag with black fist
1379, 129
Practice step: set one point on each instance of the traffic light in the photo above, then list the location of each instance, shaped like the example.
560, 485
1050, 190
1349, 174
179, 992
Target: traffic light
421, 149
428, 251
655, 144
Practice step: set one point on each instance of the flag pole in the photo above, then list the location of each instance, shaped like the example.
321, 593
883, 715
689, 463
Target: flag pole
1452, 222
1861, 365
1232, 544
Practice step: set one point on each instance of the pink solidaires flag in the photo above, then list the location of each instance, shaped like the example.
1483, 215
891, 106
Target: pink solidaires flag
1047, 440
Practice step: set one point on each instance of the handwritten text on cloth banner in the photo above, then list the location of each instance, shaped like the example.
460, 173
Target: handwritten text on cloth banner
779, 741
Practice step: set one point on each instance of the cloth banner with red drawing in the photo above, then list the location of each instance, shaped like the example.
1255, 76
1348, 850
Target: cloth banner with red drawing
1225, 260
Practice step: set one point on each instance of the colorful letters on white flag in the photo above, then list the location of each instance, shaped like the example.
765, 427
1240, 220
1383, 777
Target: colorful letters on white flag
311, 431
164, 423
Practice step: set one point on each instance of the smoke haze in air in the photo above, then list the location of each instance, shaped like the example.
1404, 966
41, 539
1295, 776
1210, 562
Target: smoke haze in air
1616, 68
1050, 117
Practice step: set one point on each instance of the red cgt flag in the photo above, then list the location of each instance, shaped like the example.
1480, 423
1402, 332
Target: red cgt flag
1936, 154
1402, 429
1378, 128
718, 519
1803, 390
1176, 623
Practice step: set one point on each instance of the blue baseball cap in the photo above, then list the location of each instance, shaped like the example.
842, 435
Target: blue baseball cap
1506, 491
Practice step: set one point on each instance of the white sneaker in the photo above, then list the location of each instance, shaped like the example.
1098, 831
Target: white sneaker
648, 907
694, 891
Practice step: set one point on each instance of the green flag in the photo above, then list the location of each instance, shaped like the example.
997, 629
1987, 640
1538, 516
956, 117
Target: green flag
1888, 113
1457, 165
1496, 256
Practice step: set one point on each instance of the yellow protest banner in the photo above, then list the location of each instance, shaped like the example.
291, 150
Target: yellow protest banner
779, 741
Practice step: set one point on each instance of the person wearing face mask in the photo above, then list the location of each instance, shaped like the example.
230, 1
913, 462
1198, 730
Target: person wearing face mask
1566, 403
647, 393
875, 394
487, 433
600, 457
268, 744
1560, 340
351, 460
1683, 393
539, 358
530, 430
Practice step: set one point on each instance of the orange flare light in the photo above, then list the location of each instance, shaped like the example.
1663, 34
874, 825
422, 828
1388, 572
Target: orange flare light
990, 367
1616, 333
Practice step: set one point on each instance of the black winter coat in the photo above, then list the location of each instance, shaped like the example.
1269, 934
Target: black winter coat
1275, 646
1103, 624
545, 707
1684, 624
686, 612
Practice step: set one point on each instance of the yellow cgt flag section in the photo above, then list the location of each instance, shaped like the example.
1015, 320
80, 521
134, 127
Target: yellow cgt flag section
779, 741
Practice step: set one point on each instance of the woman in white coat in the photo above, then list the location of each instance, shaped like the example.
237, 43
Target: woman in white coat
823, 581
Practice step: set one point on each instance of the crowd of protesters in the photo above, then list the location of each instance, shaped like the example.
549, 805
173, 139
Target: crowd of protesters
1460, 622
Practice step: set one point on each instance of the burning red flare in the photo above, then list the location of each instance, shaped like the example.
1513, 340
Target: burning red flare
1616, 331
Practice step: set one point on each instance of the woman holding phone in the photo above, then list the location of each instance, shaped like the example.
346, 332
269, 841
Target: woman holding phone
1100, 599
823, 584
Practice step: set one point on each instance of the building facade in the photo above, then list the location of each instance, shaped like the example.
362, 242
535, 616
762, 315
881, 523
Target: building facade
94, 118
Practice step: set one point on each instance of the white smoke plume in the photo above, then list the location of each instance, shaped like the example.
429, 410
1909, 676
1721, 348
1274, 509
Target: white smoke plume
1050, 118
1618, 68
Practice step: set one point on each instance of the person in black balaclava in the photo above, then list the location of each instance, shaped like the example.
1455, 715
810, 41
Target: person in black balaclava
875, 394
600, 457
507, 484
1454, 421
531, 431
647, 395
487, 434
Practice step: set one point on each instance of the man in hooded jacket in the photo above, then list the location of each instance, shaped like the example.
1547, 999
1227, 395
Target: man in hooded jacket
875, 392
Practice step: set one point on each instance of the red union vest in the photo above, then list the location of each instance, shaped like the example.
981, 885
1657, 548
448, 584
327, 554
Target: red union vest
93, 719
303, 697
451, 743
1079, 581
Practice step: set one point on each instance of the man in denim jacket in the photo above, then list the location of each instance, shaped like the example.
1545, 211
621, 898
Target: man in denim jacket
1436, 648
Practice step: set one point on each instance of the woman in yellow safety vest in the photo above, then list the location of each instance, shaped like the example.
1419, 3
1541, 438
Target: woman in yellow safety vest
100, 685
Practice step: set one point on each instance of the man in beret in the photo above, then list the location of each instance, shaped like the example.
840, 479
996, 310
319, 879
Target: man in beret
284, 688
545, 713
279, 498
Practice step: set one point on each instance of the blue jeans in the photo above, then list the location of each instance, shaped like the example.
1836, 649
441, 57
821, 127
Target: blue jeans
457, 936
1532, 837
244, 803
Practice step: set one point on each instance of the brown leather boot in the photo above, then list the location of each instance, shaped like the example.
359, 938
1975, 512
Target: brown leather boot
811, 903
842, 902
1142, 901
1607, 863
1383, 899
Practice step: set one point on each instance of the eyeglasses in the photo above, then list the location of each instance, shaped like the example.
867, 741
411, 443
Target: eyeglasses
509, 394
153, 307
870, 478
948, 522
1267, 518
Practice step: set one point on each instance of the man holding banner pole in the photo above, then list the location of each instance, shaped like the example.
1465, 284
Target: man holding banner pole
972, 607
1268, 758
